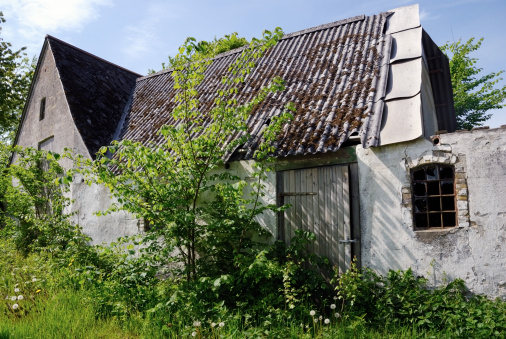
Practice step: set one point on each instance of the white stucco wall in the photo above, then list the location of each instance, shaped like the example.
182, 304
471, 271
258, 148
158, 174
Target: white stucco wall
475, 250
107, 228
90, 199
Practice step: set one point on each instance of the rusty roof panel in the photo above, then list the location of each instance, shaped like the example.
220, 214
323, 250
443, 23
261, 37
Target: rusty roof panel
335, 75
97, 92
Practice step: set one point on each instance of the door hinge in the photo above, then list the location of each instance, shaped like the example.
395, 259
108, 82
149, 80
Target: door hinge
347, 241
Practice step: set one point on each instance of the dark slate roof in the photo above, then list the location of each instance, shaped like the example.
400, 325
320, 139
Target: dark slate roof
335, 74
97, 92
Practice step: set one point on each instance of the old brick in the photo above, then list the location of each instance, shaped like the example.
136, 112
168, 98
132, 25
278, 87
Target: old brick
462, 192
460, 175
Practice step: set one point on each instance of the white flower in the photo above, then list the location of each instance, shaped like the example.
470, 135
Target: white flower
196, 323
335, 298
337, 315
213, 324
315, 320
291, 306
194, 334
15, 306
333, 306
312, 313
327, 321
302, 325
14, 298
16, 290
221, 324
34, 279
307, 326
20, 297
320, 317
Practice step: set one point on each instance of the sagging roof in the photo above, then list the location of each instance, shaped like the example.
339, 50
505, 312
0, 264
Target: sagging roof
97, 92
335, 75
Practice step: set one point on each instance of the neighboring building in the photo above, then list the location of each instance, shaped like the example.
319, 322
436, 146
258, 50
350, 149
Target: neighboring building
370, 164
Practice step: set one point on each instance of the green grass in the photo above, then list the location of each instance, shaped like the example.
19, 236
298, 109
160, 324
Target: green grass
62, 315
68, 314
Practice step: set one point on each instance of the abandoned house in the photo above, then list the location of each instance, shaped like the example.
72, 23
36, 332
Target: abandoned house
371, 163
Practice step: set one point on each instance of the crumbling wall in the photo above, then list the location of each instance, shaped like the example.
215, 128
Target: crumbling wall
474, 250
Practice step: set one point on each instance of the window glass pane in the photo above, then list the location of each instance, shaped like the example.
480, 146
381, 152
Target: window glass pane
419, 189
448, 203
419, 174
432, 173
446, 172
434, 204
433, 187
435, 220
421, 205
421, 220
446, 186
449, 219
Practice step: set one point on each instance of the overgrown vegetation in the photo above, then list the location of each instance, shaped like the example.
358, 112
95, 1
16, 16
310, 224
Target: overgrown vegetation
199, 270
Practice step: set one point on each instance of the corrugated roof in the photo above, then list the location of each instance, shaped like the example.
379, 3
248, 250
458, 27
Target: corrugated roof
97, 92
335, 75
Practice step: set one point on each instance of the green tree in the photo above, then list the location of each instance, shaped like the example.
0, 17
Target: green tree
225, 44
16, 72
170, 186
33, 197
474, 94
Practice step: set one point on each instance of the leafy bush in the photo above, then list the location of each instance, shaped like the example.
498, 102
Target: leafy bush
401, 299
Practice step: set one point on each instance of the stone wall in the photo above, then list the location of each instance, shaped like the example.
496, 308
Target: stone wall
474, 250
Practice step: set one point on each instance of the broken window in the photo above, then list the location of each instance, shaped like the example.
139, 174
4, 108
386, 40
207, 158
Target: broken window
433, 192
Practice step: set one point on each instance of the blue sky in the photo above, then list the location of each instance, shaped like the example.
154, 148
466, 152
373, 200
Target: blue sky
139, 35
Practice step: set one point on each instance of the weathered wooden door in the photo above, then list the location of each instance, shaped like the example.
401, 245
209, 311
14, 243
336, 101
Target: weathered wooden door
320, 200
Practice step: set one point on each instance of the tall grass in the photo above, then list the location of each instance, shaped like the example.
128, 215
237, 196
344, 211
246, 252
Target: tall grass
62, 315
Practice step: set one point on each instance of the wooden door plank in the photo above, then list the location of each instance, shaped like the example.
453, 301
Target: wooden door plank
315, 208
329, 212
355, 212
347, 220
340, 220
290, 187
298, 200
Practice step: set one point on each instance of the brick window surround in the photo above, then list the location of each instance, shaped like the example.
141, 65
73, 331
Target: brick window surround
435, 159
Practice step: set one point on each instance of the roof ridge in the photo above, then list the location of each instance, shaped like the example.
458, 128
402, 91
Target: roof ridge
324, 26
50, 37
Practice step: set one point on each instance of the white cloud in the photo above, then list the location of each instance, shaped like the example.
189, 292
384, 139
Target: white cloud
35, 18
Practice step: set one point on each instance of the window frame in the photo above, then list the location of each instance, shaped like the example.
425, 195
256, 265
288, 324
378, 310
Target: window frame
443, 212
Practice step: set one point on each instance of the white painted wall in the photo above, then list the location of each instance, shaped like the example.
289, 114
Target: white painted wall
476, 250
